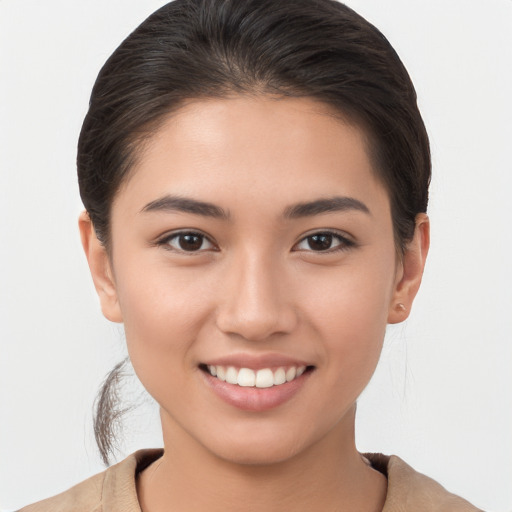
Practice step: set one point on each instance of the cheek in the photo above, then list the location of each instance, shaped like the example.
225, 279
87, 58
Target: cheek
163, 310
162, 320
350, 312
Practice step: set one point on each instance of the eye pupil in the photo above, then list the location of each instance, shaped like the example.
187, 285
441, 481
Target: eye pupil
320, 242
190, 242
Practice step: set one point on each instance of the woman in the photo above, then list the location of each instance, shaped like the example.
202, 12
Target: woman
255, 177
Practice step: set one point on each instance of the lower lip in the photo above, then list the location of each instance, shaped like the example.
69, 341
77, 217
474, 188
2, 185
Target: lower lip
255, 399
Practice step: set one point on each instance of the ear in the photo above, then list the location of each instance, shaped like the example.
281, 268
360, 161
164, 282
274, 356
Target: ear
100, 267
410, 271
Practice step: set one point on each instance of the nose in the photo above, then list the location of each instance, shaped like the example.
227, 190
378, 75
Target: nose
256, 303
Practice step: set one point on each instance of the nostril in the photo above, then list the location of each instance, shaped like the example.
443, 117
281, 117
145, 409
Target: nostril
257, 325
255, 305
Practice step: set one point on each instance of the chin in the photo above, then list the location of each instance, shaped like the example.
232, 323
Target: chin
257, 455
258, 446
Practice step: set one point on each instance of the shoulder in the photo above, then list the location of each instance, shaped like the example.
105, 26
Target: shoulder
114, 488
409, 490
85, 496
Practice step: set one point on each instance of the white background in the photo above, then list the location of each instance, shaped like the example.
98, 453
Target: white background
442, 395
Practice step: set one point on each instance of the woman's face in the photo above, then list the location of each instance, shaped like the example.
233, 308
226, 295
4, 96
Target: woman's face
253, 235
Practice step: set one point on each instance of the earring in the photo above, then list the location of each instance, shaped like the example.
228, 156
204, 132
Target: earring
400, 307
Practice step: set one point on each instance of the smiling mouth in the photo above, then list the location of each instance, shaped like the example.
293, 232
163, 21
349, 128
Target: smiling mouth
262, 378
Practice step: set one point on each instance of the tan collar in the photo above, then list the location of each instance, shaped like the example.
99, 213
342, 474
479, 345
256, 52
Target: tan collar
115, 489
409, 490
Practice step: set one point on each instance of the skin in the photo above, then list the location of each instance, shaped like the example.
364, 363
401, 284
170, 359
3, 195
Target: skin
255, 286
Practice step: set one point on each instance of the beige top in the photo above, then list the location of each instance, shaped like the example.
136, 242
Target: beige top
114, 490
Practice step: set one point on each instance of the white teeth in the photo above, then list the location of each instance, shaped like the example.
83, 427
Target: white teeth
246, 378
221, 373
232, 376
264, 378
279, 377
291, 373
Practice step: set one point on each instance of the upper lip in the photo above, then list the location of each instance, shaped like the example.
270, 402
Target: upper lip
256, 361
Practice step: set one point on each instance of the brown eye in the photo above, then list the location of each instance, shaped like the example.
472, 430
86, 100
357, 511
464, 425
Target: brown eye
188, 242
324, 242
320, 242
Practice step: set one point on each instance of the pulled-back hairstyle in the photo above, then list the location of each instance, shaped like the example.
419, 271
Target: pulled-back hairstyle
192, 49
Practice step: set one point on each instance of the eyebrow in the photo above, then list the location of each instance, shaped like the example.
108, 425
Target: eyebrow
170, 203
327, 205
186, 205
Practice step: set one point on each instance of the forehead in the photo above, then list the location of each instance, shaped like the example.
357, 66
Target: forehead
280, 149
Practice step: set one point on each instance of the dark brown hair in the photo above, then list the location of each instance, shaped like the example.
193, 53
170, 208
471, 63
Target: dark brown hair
192, 49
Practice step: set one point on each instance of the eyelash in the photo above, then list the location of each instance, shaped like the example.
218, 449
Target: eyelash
344, 242
165, 241
343, 245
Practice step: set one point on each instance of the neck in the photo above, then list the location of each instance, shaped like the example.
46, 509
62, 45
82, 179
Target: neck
328, 476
